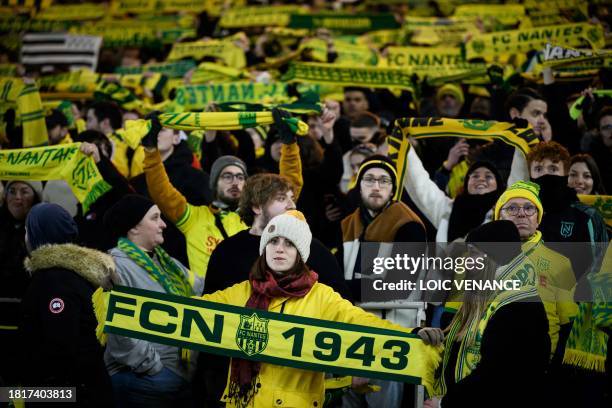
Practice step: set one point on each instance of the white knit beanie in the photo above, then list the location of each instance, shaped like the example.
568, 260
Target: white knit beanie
291, 225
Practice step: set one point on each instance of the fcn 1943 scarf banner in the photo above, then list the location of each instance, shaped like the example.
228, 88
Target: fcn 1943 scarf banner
275, 338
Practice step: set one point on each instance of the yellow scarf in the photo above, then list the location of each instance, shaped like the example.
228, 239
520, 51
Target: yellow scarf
282, 339
59, 162
423, 128
29, 109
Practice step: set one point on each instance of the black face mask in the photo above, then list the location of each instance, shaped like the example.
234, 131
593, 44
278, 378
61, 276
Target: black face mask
554, 192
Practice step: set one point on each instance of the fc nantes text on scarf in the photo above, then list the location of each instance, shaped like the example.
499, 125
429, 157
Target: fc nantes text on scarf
61, 162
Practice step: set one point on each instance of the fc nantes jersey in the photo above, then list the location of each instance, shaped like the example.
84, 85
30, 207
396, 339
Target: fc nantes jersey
202, 234
556, 282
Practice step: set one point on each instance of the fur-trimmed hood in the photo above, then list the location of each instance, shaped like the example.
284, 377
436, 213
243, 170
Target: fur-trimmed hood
96, 267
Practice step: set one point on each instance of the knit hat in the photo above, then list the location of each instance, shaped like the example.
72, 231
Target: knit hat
126, 214
521, 189
35, 185
378, 161
50, 224
501, 185
451, 89
291, 225
498, 239
221, 163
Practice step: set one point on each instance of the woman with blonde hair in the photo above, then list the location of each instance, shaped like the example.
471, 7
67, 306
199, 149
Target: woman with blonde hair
498, 337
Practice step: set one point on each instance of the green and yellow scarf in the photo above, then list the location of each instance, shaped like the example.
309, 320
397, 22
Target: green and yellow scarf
425, 128
520, 269
26, 99
135, 130
59, 162
587, 345
170, 276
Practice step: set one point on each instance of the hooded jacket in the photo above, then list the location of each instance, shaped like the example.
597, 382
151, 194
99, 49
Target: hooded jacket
566, 220
58, 326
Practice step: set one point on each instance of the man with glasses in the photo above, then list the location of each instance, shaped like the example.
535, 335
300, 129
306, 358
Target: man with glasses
379, 219
205, 226
520, 203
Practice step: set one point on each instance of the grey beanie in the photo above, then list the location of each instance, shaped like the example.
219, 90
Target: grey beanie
221, 163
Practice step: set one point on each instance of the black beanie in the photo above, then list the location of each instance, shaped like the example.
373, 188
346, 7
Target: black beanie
501, 185
50, 224
498, 239
126, 214
379, 161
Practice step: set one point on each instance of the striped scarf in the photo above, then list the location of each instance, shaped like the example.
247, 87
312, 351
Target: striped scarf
587, 345
135, 130
469, 351
170, 276
470, 129
29, 109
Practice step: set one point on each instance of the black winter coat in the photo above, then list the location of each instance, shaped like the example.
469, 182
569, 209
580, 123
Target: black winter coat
13, 283
514, 353
13, 278
58, 327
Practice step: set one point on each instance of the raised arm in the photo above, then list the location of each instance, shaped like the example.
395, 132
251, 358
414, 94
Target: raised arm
169, 200
430, 200
519, 169
290, 164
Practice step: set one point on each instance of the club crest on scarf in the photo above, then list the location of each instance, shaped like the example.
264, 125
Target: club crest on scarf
252, 334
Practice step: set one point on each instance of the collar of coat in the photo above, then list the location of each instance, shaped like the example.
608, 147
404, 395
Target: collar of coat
383, 228
94, 266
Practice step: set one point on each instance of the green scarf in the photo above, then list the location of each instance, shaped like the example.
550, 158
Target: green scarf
170, 276
134, 130
587, 345
469, 352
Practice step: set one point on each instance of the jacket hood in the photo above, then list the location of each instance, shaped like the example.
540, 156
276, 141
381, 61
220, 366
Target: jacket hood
94, 266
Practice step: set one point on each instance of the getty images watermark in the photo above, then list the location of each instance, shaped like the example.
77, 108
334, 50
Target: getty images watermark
459, 265
442, 272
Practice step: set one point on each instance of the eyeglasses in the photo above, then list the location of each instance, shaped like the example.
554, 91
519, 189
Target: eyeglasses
528, 209
383, 181
229, 177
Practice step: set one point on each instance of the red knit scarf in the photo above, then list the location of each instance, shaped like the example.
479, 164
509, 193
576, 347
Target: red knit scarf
244, 372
